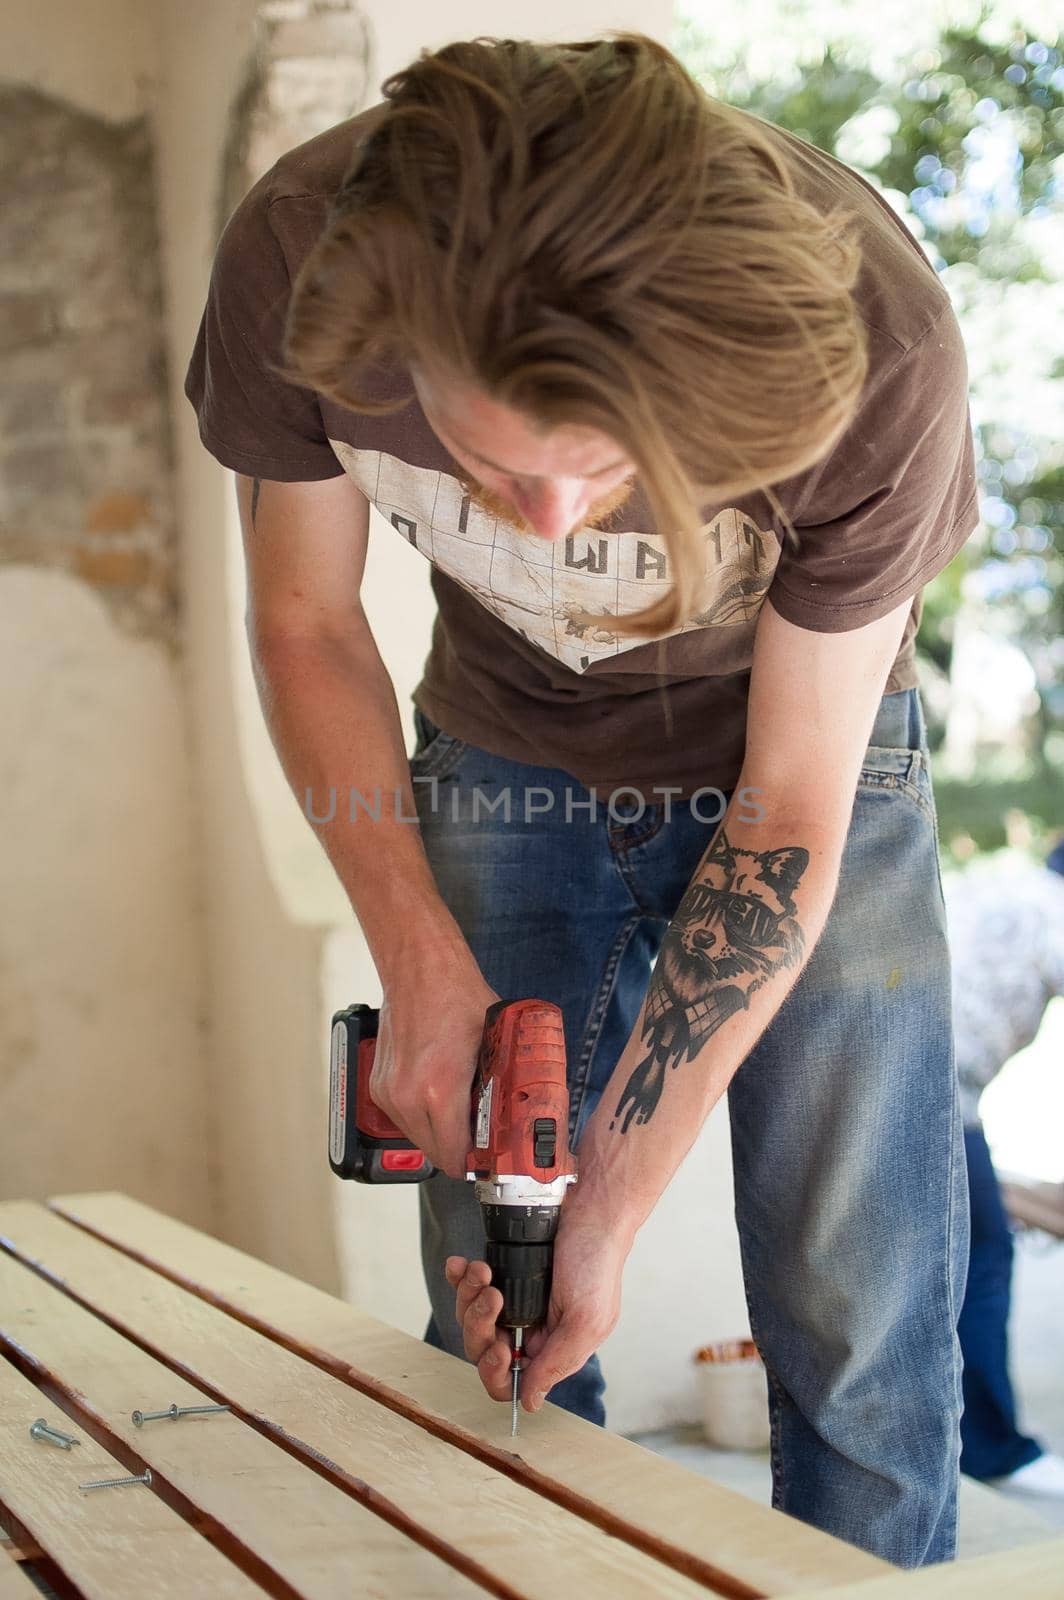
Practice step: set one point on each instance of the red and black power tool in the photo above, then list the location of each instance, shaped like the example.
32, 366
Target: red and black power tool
519, 1158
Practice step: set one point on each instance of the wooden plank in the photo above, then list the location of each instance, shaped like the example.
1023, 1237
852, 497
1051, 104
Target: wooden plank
629, 1491
1033, 1572
20, 1547
511, 1539
225, 1470
14, 1584
114, 1545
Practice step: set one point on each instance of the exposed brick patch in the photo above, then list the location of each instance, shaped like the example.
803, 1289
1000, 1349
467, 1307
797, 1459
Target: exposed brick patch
117, 513
111, 568
85, 465
309, 69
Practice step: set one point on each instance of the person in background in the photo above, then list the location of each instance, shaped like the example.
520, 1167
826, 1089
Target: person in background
1007, 942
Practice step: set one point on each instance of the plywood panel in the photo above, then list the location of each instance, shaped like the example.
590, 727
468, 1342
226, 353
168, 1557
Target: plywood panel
507, 1534
666, 1504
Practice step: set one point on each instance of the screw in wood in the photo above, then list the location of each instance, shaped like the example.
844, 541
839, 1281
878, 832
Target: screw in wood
118, 1483
41, 1430
139, 1418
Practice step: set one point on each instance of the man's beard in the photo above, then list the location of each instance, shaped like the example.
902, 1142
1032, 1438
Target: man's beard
598, 514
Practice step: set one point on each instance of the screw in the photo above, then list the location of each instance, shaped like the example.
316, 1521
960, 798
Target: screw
118, 1483
41, 1430
138, 1418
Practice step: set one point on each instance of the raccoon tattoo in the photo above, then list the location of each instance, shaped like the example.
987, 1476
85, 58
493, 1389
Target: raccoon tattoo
736, 927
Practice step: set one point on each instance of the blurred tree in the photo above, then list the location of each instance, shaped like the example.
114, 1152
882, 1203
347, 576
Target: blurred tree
968, 144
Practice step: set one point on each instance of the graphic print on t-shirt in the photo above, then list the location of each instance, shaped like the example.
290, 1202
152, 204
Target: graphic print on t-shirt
546, 591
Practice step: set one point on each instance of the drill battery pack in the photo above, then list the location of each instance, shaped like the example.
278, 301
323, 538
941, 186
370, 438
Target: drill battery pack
364, 1144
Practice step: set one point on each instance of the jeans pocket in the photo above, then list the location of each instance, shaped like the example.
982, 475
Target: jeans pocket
908, 772
436, 753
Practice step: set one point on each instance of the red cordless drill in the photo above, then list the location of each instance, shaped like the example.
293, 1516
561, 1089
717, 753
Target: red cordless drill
519, 1158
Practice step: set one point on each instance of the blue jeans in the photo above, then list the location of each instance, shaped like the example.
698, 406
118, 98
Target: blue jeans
992, 1445
849, 1164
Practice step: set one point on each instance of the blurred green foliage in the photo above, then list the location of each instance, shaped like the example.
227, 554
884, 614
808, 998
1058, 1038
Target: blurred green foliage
933, 126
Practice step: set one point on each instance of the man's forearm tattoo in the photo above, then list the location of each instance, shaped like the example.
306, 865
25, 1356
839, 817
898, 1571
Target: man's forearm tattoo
735, 928
256, 485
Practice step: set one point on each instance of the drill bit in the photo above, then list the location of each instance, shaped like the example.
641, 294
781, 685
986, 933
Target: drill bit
519, 1334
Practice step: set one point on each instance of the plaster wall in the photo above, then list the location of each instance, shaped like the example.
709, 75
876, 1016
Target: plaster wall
97, 54
102, 1075
101, 1060
266, 1088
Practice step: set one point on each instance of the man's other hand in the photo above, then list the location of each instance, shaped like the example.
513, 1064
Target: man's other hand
585, 1303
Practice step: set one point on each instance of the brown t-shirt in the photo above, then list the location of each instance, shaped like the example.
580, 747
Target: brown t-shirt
513, 667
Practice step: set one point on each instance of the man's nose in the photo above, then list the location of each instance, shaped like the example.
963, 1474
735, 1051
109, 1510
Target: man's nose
555, 507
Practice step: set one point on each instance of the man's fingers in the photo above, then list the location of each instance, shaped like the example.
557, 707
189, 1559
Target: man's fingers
453, 1269
494, 1368
479, 1333
472, 1281
561, 1354
477, 1307
449, 1144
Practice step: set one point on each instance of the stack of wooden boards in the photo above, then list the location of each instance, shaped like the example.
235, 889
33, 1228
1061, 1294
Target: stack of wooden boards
354, 1461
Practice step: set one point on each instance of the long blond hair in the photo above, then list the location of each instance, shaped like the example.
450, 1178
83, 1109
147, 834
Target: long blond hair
582, 233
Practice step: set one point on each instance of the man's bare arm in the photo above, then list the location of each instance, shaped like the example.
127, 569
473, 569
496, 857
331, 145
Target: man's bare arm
329, 702
753, 910
332, 714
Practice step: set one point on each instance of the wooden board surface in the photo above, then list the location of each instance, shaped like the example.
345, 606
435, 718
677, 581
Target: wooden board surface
627, 1489
227, 1471
115, 1544
500, 1532
1034, 1572
14, 1584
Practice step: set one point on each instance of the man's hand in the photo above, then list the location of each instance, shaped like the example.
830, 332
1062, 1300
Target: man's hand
585, 1303
426, 1056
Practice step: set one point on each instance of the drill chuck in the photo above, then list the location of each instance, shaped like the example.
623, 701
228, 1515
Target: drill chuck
522, 1273
518, 1249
